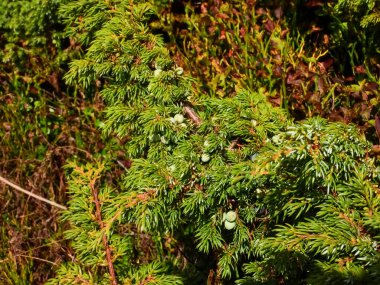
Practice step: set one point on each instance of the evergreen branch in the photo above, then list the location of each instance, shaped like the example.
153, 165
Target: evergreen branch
192, 115
104, 239
18, 188
133, 201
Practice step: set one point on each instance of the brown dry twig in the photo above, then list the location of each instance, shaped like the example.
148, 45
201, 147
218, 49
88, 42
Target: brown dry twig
192, 115
18, 188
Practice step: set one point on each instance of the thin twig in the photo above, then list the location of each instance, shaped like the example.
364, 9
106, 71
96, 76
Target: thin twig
121, 164
14, 186
36, 258
192, 115
89, 155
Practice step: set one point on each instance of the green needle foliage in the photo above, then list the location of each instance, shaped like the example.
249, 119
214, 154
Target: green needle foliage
33, 43
96, 227
227, 189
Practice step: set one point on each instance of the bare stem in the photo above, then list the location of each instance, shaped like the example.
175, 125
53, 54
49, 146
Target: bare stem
98, 215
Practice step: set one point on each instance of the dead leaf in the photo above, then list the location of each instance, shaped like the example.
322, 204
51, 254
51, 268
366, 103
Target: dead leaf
269, 25
360, 69
314, 3
377, 126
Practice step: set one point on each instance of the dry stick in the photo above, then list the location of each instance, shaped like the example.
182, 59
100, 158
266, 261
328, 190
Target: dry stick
98, 215
192, 115
37, 258
14, 186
